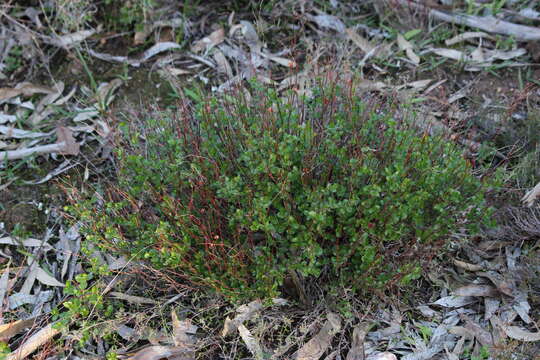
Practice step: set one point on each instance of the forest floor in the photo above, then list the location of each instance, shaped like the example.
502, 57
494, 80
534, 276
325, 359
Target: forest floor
71, 72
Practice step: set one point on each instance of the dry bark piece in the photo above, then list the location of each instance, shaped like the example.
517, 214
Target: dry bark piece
7, 331
33, 342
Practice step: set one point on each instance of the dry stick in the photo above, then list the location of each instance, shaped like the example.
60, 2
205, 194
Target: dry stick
486, 23
22, 153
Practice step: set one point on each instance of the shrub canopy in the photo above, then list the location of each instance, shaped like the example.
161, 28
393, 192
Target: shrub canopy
239, 191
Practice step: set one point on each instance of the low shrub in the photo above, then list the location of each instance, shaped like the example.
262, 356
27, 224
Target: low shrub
235, 192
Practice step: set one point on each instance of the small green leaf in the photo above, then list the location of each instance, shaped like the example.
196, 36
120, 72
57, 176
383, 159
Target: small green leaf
411, 33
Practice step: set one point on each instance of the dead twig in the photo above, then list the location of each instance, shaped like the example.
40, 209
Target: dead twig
486, 23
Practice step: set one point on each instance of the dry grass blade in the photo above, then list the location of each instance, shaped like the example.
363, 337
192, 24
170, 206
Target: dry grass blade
33, 342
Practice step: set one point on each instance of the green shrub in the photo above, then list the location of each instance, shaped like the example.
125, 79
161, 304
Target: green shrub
236, 192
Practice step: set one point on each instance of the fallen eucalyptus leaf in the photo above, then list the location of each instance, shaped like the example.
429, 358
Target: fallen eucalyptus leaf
316, 347
251, 342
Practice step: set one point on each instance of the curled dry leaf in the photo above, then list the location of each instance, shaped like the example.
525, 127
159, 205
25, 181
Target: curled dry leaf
466, 266
483, 336
24, 88
105, 92
382, 356
518, 333
360, 41
316, 347
43, 277
530, 197
208, 42
67, 41
4, 286
408, 48
136, 62
251, 342
357, 347
222, 63
279, 60
505, 286
157, 352
455, 301
476, 290
65, 137
183, 331
36, 150
132, 299
245, 312
466, 36
328, 21
140, 36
